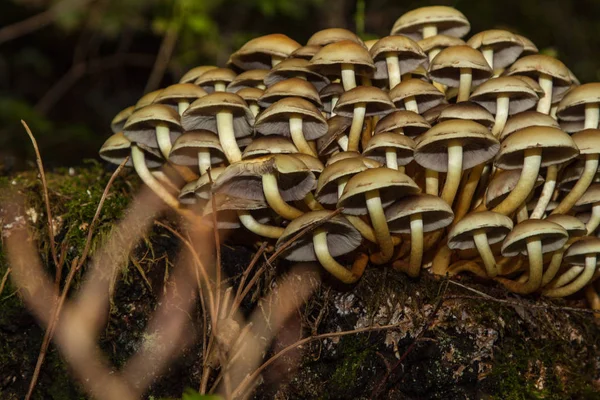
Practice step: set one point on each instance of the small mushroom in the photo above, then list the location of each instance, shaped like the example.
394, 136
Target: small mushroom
264, 52
434, 44
394, 56
416, 95
425, 22
215, 80
576, 229
499, 47
253, 78
179, 96
194, 73
118, 122
391, 149
295, 68
581, 103
199, 148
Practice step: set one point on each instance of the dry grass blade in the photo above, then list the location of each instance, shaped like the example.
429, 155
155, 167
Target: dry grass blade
4, 280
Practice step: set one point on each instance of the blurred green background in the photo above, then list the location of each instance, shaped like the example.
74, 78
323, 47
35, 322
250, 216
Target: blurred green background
67, 66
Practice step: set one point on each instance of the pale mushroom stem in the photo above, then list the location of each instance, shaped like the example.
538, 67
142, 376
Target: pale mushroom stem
298, 136
393, 68
380, 226
429, 30
547, 192
592, 116
522, 214
182, 105
356, 128
531, 168
553, 265
411, 104
348, 77
593, 298
203, 160
536, 270
432, 182
467, 266
585, 180
274, 199
391, 158
334, 101
254, 108
416, 245
483, 247
163, 138
361, 226
545, 103
341, 185
466, 195
275, 60
594, 221
464, 86
227, 136
455, 162
441, 260
578, 284
312, 203
565, 278
220, 86
250, 223
331, 265
434, 52
342, 141
488, 54
502, 103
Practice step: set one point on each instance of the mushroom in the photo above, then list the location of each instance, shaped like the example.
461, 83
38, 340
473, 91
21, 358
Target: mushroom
333, 35
264, 52
434, 44
391, 149
416, 95
118, 122
146, 99
467, 110
295, 68
215, 80
292, 87
425, 22
251, 96
330, 95
526, 119
194, 73
394, 56
199, 148
253, 78
501, 185
265, 145
415, 215
179, 96
331, 238
402, 122
305, 52
335, 138
590, 199
529, 48
581, 103
500, 48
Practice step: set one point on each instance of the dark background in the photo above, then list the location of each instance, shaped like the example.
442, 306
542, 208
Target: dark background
67, 66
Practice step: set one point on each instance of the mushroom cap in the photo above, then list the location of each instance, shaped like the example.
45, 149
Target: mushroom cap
435, 213
426, 95
247, 79
327, 186
404, 147
532, 83
294, 68
588, 246
537, 64
141, 125
194, 73
479, 145
390, 183
551, 235
333, 35
502, 184
231, 203
557, 147
467, 110
208, 79
337, 126
590, 197
117, 148
186, 194
525, 119
587, 141
329, 59
572, 224
244, 178
271, 144
572, 106
146, 99
342, 237
306, 52
313, 163
334, 89
496, 226
257, 53
185, 148
506, 45
432, 115
449, 21
202, 113
292, 87
412, 124
203, 185
439, 42
529, 47
276, 119
342, 155
409, 54
376, 101
445, 67
171, 95
118, 122
522, 96
250, 94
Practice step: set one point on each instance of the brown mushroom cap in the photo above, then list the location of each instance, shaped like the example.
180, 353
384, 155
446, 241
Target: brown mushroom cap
496, 226
539, 63
295, 67
141, 125
445, 67
204, 184
439, 42
185, 148
313, 163
342, 237
403, 145
292, 87
333, 35
146, 99
467, 110
410, 55
526, 119
572, 105
275, 119
337, 126
522, 96
377, 101
581, 249
412, 124
329, 59
449, 21
272, 144
529, 47
572, 224
194, 73
426, 95
258, 52
506, 45
117, 148
171, 95
201, 114
587, 141
118, 122
590, 197
435, 213
334, 89
551, 235
250, 95
502, 184
248, 79
479, 145
557, 147
327, 187
208, 79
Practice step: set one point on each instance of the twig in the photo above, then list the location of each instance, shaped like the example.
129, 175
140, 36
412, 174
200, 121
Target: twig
4, 279
238, 299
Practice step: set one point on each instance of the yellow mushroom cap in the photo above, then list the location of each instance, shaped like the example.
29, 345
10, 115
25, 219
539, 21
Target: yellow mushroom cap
435, 213
551, 235
496, 226
257, 53
506, 45
449, 21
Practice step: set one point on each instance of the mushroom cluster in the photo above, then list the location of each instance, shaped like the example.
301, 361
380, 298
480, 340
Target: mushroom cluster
476, 156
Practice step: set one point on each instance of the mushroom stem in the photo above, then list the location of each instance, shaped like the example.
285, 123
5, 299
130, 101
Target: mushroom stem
502, 103
254, 108
578, 284
220, 86
182, 105
331, 265
536, 269
429, 30
393, 68
432, 182
455, 162
342, 141
483, 247
312, 203
594, 220
488, 54
275, 60
203, 160
416, 245
391, 158
441, 260
268, 231
380, 226
298, 136
356, 128
589, 171
531, 167
163, 138
592, 116
593, 298
547, 192
434, 52
334, 101
411, 104
545, 103
467, 266
341, 184
522, 214
553, 265
348, 77
227, 136
566, 277
464, 86
466, 195
274, 199
361, 226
